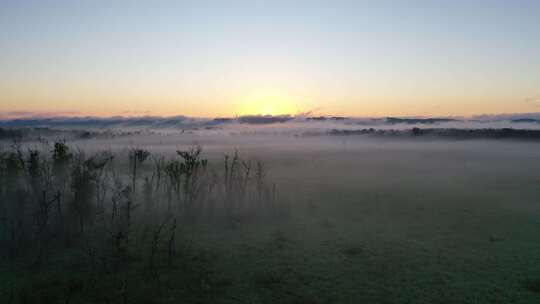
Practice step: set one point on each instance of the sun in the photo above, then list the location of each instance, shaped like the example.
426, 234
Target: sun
267, 104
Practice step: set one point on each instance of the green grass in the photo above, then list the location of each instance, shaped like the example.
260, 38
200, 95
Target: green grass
339, 253
412, 232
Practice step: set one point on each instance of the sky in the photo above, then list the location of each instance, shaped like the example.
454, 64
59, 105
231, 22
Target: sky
225, 58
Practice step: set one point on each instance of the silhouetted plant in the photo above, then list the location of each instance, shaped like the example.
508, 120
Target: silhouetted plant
35, 171
49, 194
136, 158
60, 170
148, 193
13, 202
185, 176
85, 178
173, 170
191, 167
242, 186
171, 243
61, 158
98, 163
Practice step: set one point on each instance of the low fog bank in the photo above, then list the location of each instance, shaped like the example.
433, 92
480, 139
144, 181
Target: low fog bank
268, 142
249, 132
302, 166
283, 133
279, 123
268, 213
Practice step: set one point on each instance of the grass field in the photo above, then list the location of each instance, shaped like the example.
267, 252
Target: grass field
356, 221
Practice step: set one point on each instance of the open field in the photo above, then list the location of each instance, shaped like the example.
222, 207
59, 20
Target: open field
324, 219
269, 152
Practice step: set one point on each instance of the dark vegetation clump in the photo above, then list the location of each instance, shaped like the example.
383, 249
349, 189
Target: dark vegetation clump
11, 134
264, 119
444, 133
532, 285
352, 251
116, 218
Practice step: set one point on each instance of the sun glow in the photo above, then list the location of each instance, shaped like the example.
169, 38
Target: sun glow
267, 104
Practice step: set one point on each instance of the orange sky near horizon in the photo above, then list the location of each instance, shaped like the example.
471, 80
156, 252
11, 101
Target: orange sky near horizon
139, 103
239, 57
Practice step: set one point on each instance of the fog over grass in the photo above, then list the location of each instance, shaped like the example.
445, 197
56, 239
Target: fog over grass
272, 213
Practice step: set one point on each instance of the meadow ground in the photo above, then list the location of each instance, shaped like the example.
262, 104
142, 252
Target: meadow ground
361, 222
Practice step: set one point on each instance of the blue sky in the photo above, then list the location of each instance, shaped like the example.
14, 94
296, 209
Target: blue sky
213, 58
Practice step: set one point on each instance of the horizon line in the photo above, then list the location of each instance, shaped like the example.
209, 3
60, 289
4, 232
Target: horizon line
5, 116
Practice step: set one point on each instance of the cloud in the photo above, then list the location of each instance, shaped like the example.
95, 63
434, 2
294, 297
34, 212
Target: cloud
31, 114
535, 101
135, 113
264, 119
309, 112
15, 114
